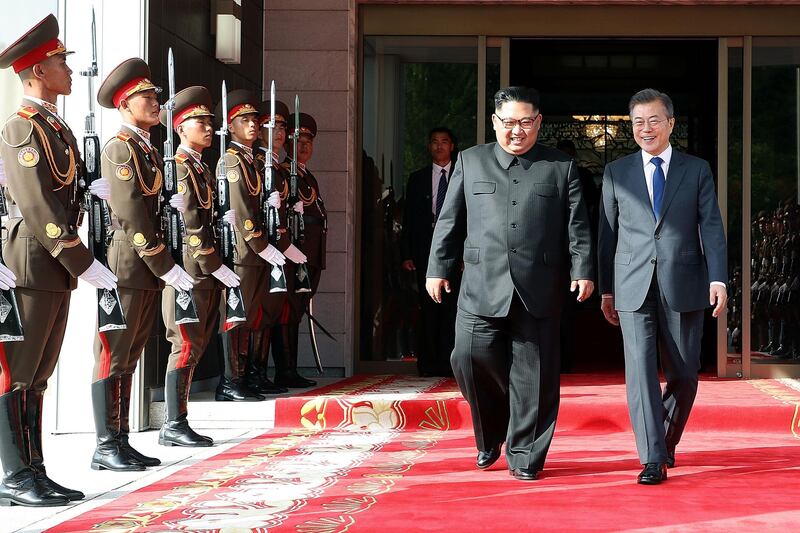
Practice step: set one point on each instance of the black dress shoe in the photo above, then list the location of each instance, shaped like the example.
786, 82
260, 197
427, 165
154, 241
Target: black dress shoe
27, 490
112, 456
234, 390
487, 459
653, 474
671, 459
524, 474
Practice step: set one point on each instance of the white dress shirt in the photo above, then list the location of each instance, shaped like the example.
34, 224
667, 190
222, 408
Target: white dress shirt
650, 168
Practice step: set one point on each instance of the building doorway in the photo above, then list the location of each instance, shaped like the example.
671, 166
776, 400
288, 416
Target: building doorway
585, 85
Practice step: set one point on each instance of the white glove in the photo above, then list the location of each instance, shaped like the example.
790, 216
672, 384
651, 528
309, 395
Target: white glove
226, 276
7, 278
178, 279
294, 255
101, 188
298, 207
3, 179
177, 202
230, 217
99, 276
272, 255
274, 199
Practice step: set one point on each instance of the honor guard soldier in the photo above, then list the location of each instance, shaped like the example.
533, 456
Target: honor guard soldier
43, 170
315, 220
193, 121
137, 255
253, 252
274, 301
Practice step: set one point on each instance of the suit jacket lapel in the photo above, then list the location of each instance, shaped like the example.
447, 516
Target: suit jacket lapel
677, 170
639, 184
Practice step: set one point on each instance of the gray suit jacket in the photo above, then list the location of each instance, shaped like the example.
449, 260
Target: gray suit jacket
686, 245
522, 227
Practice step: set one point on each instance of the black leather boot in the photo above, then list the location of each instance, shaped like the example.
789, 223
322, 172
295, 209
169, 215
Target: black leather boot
109, 454
21, 485
231, 387
33, 434
176, 430
256, 370
284, 347
126, 380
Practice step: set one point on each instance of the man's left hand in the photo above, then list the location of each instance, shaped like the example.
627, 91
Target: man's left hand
585, 288
718, 297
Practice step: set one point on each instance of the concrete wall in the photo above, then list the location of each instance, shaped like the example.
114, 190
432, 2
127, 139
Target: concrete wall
306, 52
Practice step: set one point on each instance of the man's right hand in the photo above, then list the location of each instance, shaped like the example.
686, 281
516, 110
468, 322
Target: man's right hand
607, 306
434, 287
408, 264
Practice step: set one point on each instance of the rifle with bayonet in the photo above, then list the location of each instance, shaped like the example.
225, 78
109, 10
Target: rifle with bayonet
234, 302
10, 323
277, 278
172, 223
110, 315
296, 224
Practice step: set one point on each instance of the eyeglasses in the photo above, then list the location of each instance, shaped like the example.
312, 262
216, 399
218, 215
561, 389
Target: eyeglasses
511, 123
654, 123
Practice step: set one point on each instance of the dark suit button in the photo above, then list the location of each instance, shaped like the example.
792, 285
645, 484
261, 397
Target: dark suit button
513, 250
658, 236
653, 261
513, 202
516, 181
514, 226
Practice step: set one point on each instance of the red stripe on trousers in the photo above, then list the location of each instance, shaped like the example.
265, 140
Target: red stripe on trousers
259, 316
105, 358
186, 348
284, 319
5, 371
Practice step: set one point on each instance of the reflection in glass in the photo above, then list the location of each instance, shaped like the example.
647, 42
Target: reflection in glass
775, 289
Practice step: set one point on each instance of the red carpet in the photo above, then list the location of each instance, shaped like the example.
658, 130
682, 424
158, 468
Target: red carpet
396, 454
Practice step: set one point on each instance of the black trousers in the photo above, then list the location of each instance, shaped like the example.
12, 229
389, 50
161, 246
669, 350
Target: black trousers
436, 329
508, 370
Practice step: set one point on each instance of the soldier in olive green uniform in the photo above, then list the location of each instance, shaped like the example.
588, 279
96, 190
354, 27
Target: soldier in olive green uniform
315, 219
137, 255
274, 301
192, 120
43, 170
253, 251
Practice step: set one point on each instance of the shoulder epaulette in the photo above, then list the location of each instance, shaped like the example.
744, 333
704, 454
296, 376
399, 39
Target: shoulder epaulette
231, 159
122, 136
27, 112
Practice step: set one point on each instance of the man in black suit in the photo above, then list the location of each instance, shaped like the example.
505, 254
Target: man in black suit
517, 210
425, 193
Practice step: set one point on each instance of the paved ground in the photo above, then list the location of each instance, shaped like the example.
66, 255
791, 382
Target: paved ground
67, 457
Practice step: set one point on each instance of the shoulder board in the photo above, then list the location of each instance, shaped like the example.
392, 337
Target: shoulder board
27, 112
113, 152
181, 157
122, 136
231, 159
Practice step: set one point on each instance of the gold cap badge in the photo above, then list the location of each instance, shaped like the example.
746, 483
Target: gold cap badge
139, 240
194, 240
248, 224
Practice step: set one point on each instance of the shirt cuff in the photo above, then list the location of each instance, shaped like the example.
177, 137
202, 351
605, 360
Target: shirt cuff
605, 296
719, 283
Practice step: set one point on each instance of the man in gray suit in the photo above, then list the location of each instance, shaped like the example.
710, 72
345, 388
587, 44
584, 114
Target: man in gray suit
516, 210
662, 261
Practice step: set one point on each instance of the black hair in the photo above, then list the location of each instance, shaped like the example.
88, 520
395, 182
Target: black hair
646, 96
442, 129
526, 95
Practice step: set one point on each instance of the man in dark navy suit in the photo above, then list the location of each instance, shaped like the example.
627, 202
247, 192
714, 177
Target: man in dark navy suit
425, 194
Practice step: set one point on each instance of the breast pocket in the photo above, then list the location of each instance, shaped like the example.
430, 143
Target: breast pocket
484, 187
545, 189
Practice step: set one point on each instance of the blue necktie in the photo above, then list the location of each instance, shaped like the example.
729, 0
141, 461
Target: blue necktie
659, 181
441, 191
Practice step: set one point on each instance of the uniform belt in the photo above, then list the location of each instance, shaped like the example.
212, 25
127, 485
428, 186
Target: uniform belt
311, 219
